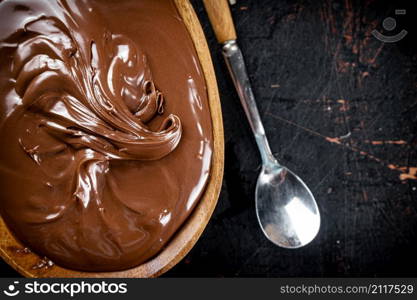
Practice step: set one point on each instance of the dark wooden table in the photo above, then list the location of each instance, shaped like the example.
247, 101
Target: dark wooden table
340, 109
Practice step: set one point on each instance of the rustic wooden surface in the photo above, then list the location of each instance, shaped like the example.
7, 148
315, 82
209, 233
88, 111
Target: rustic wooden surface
31, 265
341, 110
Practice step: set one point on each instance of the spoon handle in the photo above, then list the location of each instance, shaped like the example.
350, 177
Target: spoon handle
221, 20
222, 23
236, 65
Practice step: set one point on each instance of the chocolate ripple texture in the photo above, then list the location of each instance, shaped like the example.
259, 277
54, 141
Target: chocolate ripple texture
105, 129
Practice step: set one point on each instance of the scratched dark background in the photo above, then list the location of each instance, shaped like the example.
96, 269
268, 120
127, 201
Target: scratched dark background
340, 109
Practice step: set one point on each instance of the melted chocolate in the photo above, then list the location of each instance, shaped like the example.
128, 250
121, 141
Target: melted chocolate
105, 128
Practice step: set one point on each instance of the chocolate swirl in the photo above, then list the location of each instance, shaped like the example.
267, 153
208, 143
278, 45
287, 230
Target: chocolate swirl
82, 102
99, 112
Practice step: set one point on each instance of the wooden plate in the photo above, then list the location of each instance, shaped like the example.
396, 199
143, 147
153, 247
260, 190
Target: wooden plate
12, 251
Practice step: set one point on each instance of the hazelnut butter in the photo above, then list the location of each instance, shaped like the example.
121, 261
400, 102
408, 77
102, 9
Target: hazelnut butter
105, 128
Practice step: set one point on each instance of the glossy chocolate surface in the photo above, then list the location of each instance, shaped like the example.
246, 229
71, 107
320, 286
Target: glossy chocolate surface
105, 128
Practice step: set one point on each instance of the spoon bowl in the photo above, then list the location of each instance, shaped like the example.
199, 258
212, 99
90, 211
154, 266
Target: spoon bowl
286, 209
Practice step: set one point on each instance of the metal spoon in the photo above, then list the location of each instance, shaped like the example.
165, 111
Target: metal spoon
286, 209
